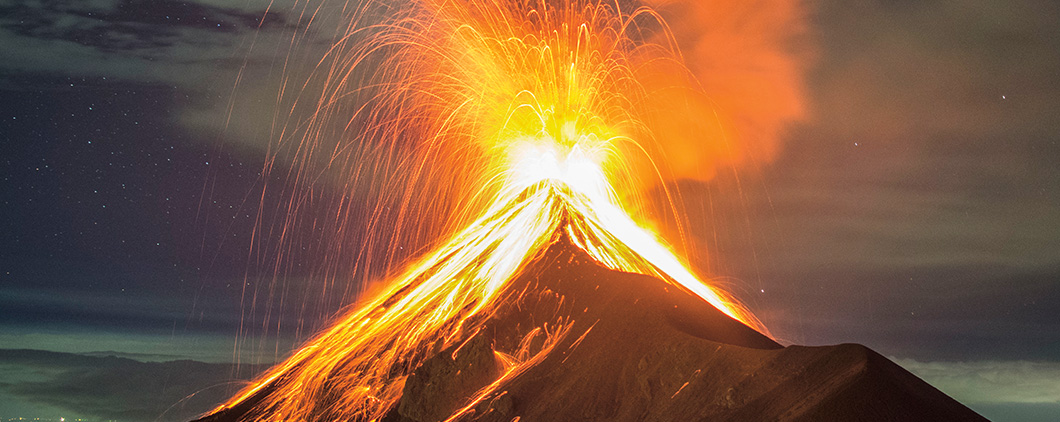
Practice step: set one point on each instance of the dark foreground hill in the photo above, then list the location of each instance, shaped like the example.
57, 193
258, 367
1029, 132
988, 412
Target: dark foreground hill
638, 349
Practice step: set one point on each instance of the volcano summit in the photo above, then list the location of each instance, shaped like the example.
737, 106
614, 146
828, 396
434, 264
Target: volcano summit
544, 121
568, 338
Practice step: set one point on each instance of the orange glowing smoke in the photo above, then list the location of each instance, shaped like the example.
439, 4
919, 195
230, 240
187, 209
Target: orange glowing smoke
749, 58
518, 119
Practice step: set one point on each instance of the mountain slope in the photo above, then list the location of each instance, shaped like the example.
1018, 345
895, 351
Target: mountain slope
573, 340
638, 349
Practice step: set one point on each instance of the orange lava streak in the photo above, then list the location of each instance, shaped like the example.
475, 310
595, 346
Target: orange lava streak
537, 109
356, 370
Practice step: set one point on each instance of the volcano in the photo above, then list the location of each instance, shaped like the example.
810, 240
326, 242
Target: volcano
628, 347
547, 122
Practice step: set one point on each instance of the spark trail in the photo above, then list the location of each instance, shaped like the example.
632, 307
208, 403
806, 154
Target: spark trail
541, 107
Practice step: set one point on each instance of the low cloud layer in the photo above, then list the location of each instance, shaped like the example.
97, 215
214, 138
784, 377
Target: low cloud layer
1012, 391
112, 388
992, 382
103, 386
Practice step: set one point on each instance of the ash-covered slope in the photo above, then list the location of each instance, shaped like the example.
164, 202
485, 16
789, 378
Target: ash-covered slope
628, 347
642, 350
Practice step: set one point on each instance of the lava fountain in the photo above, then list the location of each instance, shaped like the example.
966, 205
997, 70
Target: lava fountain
539, 117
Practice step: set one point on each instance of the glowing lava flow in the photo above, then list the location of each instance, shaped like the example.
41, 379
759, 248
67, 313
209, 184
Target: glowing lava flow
357, 368
548, 93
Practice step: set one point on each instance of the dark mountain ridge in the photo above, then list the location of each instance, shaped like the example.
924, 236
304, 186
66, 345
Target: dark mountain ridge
573, 340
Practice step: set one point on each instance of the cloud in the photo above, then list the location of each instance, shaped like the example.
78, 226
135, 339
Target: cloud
1002, 391
116, 388
917, 210
992, 382
127, 25
198, 48
156, 41
750, 60
144, 347
907, 69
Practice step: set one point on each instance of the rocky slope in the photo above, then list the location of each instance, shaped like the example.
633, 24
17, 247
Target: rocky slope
627, 347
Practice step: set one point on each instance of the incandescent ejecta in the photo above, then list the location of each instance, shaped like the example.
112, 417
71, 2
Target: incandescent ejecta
540, 121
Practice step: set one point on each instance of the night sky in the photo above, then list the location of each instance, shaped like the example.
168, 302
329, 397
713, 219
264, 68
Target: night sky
916, 209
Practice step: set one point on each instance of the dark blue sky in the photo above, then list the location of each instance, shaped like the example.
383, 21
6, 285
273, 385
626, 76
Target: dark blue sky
102, 193
917, 211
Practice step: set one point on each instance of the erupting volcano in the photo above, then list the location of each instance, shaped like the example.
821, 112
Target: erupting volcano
553, 302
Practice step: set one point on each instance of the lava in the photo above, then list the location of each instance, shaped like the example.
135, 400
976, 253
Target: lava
356, 369
544, 111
